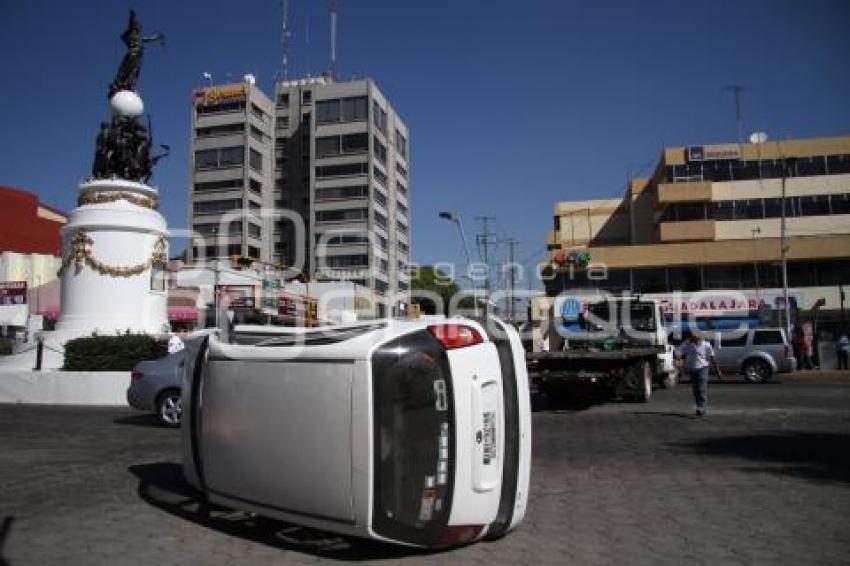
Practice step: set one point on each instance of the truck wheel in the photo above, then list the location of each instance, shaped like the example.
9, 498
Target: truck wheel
670, 380
644, 384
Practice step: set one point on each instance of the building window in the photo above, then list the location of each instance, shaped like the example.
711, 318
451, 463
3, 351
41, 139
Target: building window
380, 150
254, 252
379, 175
345, 215
283, 100
254, 230
307, 97
347, 170
400, 188
228, 184
258, 113
401, 144
225, 130
401, 227
221, 108
380, 197
342, 145
380, 219
335, 193
352, 109
348, 239
216, 206
401, 170
282, 123
403, 248
219, 158
215, 228
258, 134
349, 261
255, 186
379, 117
401, 209
256, 160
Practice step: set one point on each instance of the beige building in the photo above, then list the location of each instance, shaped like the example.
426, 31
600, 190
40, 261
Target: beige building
709, 218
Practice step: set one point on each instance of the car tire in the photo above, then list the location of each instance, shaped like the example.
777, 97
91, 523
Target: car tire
757, 371
169, 407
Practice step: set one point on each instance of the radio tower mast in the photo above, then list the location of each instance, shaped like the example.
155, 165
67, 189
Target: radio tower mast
286, 38
333, 6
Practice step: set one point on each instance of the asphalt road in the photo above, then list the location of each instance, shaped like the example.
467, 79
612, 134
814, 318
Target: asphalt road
765, 479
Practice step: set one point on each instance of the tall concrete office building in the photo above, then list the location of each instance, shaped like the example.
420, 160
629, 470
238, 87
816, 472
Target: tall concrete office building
321, 173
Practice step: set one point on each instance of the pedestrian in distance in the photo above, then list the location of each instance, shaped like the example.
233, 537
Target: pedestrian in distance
698, 356
843, 346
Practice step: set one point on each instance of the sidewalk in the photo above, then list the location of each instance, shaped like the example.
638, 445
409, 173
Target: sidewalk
815, 376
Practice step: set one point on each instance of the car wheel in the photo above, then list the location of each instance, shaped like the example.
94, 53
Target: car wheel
168, 408
757, 371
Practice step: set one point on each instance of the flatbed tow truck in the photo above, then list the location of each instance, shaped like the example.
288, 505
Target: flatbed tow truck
618, 345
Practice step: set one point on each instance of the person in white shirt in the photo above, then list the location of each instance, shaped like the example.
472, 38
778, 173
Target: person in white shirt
698, 357
175, 344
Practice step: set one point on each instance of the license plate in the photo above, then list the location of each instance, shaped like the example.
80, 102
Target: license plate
489, 439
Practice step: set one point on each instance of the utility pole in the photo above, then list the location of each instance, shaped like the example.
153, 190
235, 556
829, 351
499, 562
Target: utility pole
512, 244
484, 239
783, 246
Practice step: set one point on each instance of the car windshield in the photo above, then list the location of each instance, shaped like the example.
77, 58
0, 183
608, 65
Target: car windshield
413, 440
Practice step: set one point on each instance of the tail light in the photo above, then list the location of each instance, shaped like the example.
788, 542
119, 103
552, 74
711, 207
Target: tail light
460, 534
453, 336
137, 375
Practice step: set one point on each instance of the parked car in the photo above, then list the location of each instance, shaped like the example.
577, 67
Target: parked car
155, 386
758, 354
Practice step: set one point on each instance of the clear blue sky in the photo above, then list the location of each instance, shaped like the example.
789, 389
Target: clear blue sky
512, 105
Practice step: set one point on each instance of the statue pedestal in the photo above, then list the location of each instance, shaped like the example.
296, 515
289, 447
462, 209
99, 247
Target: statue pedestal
113, 251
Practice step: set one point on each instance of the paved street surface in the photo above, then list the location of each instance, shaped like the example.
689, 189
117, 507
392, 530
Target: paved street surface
765, 479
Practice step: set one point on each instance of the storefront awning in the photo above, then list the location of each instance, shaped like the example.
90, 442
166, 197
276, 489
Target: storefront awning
182, 314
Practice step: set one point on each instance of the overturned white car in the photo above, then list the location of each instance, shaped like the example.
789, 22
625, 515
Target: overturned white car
413, 432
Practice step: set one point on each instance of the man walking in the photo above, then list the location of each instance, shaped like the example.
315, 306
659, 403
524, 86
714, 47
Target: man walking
698, 356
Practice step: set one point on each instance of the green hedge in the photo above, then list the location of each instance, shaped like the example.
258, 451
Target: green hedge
111, 353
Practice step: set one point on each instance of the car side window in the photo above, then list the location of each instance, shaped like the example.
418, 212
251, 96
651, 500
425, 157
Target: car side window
767, 337
733, 340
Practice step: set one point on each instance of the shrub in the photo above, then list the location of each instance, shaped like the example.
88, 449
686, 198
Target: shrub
111, 353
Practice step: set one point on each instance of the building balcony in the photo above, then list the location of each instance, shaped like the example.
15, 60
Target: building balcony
674, 193
687, 231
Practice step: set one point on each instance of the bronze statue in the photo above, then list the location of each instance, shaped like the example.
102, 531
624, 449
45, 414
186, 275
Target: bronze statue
128, 72
123, 147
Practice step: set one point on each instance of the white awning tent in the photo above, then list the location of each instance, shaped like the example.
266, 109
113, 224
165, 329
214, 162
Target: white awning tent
13, 315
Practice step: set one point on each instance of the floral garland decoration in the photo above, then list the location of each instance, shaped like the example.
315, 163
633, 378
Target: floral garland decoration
100, 198
81, 255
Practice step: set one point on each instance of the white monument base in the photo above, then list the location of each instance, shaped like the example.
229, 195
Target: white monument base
114, 250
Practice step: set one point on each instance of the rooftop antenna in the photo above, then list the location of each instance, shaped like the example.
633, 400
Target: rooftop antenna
287, 39
333, 5
736, 92
307, 41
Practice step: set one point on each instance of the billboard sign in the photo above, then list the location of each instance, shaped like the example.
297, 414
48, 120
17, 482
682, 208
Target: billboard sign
13, 293
237, 296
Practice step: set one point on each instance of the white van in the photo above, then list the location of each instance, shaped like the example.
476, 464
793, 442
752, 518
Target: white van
413, 432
